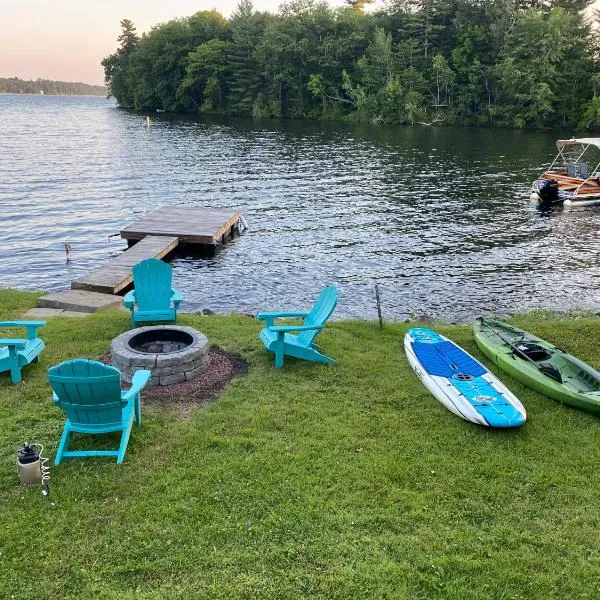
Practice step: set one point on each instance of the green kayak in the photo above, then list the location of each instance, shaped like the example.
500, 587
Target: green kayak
539, 364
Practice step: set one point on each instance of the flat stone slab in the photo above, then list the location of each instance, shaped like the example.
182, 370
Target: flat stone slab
79, 301
45, 313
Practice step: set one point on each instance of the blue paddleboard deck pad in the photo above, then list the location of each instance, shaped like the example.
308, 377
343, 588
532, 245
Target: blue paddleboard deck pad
460, 382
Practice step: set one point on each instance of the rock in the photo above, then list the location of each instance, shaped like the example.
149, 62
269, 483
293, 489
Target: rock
169, 379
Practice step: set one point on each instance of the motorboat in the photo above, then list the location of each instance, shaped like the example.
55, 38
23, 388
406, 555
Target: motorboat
569, 179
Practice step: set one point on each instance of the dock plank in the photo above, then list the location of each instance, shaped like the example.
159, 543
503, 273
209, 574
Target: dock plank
116, 275
194, 225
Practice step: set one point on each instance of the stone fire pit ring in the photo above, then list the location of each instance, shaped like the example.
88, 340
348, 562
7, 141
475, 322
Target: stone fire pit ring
171, 353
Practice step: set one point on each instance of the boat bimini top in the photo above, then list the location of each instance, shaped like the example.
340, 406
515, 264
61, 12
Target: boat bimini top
585, 144
583, 141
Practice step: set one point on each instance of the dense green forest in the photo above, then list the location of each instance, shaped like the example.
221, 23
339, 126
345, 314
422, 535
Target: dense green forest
512, 63
14, 85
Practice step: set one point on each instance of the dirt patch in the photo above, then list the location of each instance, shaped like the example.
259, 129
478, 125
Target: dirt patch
222, 367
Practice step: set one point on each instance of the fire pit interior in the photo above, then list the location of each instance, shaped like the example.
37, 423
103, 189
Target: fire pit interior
171, 353
159, 341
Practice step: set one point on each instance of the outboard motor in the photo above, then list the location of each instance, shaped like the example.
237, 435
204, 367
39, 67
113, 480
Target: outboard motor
547, 190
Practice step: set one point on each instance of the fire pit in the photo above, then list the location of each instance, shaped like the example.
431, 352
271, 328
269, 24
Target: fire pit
171, 353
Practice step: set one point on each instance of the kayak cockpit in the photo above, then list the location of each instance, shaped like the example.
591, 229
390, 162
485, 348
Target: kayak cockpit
531, 351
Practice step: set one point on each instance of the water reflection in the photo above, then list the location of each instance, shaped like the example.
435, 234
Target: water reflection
439, 218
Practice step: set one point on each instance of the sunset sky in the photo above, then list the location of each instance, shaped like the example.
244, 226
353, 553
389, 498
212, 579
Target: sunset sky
66, 39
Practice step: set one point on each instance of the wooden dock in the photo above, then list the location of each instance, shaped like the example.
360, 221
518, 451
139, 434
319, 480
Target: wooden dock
116, 275
199, 226
155, 235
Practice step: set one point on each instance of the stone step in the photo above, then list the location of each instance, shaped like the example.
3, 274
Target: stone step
80, 301
45, 313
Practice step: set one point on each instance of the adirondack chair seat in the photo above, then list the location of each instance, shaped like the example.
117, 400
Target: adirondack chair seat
90, 394
18, 353
152, 299
27, 351
293, 346
282, 339
146, 316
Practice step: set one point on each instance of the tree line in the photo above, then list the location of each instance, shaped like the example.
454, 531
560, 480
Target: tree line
517, 63
14, 85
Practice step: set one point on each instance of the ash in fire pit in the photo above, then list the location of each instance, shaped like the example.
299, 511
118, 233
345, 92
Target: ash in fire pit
161, 341
173, 354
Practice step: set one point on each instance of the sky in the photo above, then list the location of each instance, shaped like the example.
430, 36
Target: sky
65, 40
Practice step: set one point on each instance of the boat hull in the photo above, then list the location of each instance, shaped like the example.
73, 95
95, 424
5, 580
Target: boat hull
572, 191
580, 385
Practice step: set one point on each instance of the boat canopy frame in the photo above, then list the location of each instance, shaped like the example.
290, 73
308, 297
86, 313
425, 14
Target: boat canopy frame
585, 143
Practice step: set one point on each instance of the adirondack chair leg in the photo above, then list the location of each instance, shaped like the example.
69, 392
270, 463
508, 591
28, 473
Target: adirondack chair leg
279, 350
13, 361
63, 446
15, 374
138, 410
279, 356
124, 442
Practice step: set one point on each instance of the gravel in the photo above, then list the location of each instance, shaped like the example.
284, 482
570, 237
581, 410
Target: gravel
222, 367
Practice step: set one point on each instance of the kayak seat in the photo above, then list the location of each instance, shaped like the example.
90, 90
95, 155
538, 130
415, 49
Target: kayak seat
551, 371
444, 359
528, 350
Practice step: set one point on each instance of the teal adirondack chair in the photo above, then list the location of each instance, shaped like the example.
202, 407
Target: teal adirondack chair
90, 394
281, 340
152, 293
18, 353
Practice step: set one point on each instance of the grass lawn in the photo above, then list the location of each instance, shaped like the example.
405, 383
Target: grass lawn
314, 481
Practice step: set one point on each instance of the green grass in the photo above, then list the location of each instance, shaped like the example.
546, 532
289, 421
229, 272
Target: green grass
313, 481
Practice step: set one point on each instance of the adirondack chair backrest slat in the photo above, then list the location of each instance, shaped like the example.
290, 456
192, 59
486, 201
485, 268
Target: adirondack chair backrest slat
152, 279
320, 312
89, 392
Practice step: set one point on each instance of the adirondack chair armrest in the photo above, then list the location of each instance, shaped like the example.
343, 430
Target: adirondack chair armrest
129, 299
270, 317
261, 316
177, 297
31, 326
139, 381
285, 328
14, 343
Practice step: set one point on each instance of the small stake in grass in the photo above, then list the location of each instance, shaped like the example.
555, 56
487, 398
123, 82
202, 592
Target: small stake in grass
378, 306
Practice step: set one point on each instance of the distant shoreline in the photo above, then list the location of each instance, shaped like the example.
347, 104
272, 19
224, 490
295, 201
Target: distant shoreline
15, 85
50, 94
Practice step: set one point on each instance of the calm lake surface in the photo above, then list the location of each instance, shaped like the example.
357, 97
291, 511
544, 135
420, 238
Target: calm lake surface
439, 218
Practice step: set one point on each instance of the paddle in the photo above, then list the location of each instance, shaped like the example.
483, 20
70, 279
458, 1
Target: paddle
548, 370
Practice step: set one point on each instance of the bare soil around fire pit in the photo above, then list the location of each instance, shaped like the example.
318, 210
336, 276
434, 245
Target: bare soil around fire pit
222, 367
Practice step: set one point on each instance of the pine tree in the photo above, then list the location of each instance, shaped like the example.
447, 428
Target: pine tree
128, 38
116, 65
246, 29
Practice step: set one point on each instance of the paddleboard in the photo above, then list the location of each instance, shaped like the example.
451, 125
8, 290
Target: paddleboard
460, 382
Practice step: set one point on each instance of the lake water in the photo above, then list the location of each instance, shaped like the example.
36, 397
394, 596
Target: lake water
439, 218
